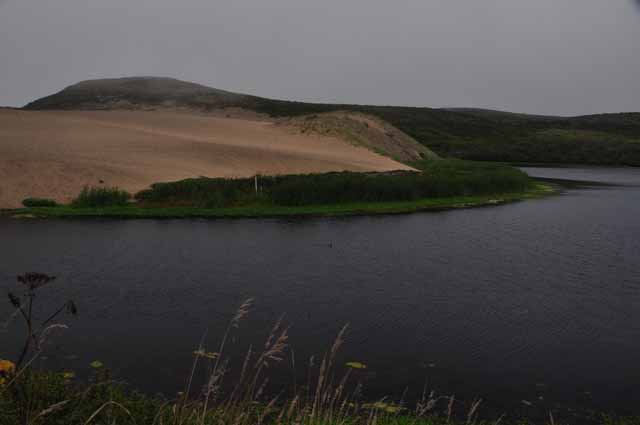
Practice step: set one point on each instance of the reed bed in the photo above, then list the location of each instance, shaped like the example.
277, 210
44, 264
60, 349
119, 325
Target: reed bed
435, 179
97, 197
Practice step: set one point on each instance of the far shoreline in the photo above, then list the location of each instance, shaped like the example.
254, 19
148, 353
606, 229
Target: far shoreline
539, 190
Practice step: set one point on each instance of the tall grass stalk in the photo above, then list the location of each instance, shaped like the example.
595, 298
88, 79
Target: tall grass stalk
98, 197
330, 395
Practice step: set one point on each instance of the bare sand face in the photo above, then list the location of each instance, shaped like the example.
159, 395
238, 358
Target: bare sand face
53, 154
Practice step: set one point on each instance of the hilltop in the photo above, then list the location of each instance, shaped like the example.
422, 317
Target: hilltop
136, 92
458, 132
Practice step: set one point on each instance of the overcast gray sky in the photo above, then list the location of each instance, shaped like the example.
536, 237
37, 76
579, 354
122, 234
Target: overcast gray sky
564, 57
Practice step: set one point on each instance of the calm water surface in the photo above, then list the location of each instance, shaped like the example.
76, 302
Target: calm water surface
535, 301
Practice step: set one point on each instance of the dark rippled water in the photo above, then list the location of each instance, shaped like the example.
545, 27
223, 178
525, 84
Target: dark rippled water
535, 301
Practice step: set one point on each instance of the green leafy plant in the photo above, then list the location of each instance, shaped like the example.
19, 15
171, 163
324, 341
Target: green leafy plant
36, 332
96, 197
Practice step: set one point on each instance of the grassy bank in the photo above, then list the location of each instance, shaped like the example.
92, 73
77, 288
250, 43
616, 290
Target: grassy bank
435, 185
435, 179
55, 398
269, 210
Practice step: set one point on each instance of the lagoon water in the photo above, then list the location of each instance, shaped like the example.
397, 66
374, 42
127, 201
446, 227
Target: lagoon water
536, 300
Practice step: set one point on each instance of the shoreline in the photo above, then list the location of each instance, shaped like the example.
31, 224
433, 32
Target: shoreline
539, 190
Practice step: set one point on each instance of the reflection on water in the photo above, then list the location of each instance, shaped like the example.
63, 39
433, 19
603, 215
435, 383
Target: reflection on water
535, 301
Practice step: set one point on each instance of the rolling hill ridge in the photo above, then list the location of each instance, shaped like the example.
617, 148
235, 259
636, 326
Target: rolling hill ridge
612, 139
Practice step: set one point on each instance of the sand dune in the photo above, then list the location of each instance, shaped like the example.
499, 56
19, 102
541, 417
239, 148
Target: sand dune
54, 154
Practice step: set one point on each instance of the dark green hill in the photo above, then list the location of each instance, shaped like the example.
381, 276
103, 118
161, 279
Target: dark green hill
458, 132
130, 92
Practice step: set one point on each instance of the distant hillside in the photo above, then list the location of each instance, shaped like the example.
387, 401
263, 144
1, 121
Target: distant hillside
363, 130
132, 92
459, 132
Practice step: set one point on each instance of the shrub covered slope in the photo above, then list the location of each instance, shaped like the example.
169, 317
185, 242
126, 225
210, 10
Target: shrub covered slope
464, 133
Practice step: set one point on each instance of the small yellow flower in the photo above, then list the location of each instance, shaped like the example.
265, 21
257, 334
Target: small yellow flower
7, 367
68, 375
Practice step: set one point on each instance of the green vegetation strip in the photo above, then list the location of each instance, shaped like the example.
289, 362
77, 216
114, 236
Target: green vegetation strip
267, 210
60, 398
433, 185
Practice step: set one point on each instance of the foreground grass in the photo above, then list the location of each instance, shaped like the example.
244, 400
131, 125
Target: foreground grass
331, 393
44, 398
270, 210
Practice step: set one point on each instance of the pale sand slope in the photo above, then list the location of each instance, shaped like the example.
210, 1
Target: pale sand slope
53, 154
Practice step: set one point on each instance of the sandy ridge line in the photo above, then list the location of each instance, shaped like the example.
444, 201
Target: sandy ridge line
53, 154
